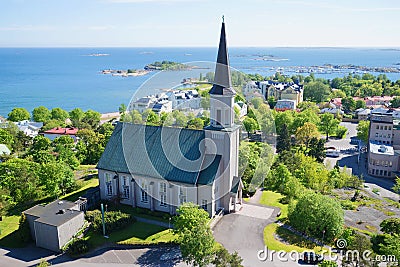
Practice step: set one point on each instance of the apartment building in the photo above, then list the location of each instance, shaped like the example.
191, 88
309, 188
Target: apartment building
384, 143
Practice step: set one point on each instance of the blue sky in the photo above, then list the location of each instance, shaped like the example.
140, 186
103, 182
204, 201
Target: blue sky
144, 23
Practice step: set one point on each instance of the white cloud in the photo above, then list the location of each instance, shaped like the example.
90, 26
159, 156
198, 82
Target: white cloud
27, 28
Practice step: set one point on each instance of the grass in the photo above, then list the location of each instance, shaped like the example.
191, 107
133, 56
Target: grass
270, 198
8, 228
73, 196
9, 225
144, 213
138, 233
296, 242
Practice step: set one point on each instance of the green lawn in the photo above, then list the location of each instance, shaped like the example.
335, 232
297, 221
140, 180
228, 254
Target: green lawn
270, 198
73, 196
134, 234
296, 242
7, 232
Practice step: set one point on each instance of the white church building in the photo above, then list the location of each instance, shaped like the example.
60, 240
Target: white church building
160, 168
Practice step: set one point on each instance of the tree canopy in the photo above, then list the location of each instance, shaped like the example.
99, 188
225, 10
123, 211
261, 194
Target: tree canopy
19, 114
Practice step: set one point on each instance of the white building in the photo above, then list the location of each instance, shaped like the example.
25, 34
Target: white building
185, 99
160, 168
30, 128
143, 103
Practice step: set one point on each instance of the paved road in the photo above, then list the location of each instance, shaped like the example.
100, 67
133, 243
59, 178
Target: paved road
243, 232
150, 257
350, 160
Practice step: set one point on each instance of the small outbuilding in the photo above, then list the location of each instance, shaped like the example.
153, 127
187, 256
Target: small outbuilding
54, 224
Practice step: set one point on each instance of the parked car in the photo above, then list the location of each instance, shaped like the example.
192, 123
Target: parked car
332, 153
312, 258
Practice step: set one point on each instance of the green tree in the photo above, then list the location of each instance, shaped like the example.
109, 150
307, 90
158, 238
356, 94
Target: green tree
257, 102
41, 114
316, 91
307, 105
348, 104
194, 235
285, 117
278, 177
91, 118
305, 133
64, 146
59, 114
90, 146
360, 104
301, 118
391, 226
196, 123
19, 177
316, 149
106, 129
76, 115
6, 138
40, 151
327, 263
19, 114
363, 131
53, 124
283, 140
224, 259
180, 118
324, 216
328, 124
250, 125
166, 119
396, 187
56, 178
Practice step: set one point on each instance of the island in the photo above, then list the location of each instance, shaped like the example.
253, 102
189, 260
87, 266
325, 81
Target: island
166, 65
156, 66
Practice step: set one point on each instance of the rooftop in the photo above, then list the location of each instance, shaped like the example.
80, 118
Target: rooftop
55, 213
378, 148
60, 130
174, 154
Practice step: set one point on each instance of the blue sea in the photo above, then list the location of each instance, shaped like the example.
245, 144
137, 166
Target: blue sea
70, 77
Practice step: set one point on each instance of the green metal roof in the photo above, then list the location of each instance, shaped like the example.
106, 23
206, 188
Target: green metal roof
207, 175
167, 153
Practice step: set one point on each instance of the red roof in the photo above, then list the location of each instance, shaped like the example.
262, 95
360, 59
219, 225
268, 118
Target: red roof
60, 130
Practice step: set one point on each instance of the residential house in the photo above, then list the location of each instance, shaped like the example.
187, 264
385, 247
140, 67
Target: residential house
60, 131
30, 128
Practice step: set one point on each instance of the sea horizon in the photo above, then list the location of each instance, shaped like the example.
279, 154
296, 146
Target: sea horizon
67, 77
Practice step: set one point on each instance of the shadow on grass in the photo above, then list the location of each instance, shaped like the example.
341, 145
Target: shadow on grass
137, 233
293, 239
13, 240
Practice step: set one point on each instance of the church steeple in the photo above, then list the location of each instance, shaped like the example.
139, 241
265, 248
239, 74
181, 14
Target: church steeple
222, 93
222, 79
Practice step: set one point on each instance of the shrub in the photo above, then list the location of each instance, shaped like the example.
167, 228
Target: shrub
327, 263
113, 220
341, 132
23, 229
43, 263
78, 247
348, 205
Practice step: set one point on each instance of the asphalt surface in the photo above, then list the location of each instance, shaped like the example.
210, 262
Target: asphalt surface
150, 257
243, 232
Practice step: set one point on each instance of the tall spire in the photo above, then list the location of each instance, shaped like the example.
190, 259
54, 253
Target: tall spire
222, 80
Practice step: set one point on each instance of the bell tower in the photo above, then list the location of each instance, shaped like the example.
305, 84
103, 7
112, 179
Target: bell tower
222, 94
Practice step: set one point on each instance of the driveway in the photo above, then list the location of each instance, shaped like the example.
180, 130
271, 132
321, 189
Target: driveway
243, 232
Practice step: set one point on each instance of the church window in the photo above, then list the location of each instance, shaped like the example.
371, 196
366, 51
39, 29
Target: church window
204, 204
125, 187
108, 184
144, 196
218, 117
163, 194
182, 195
